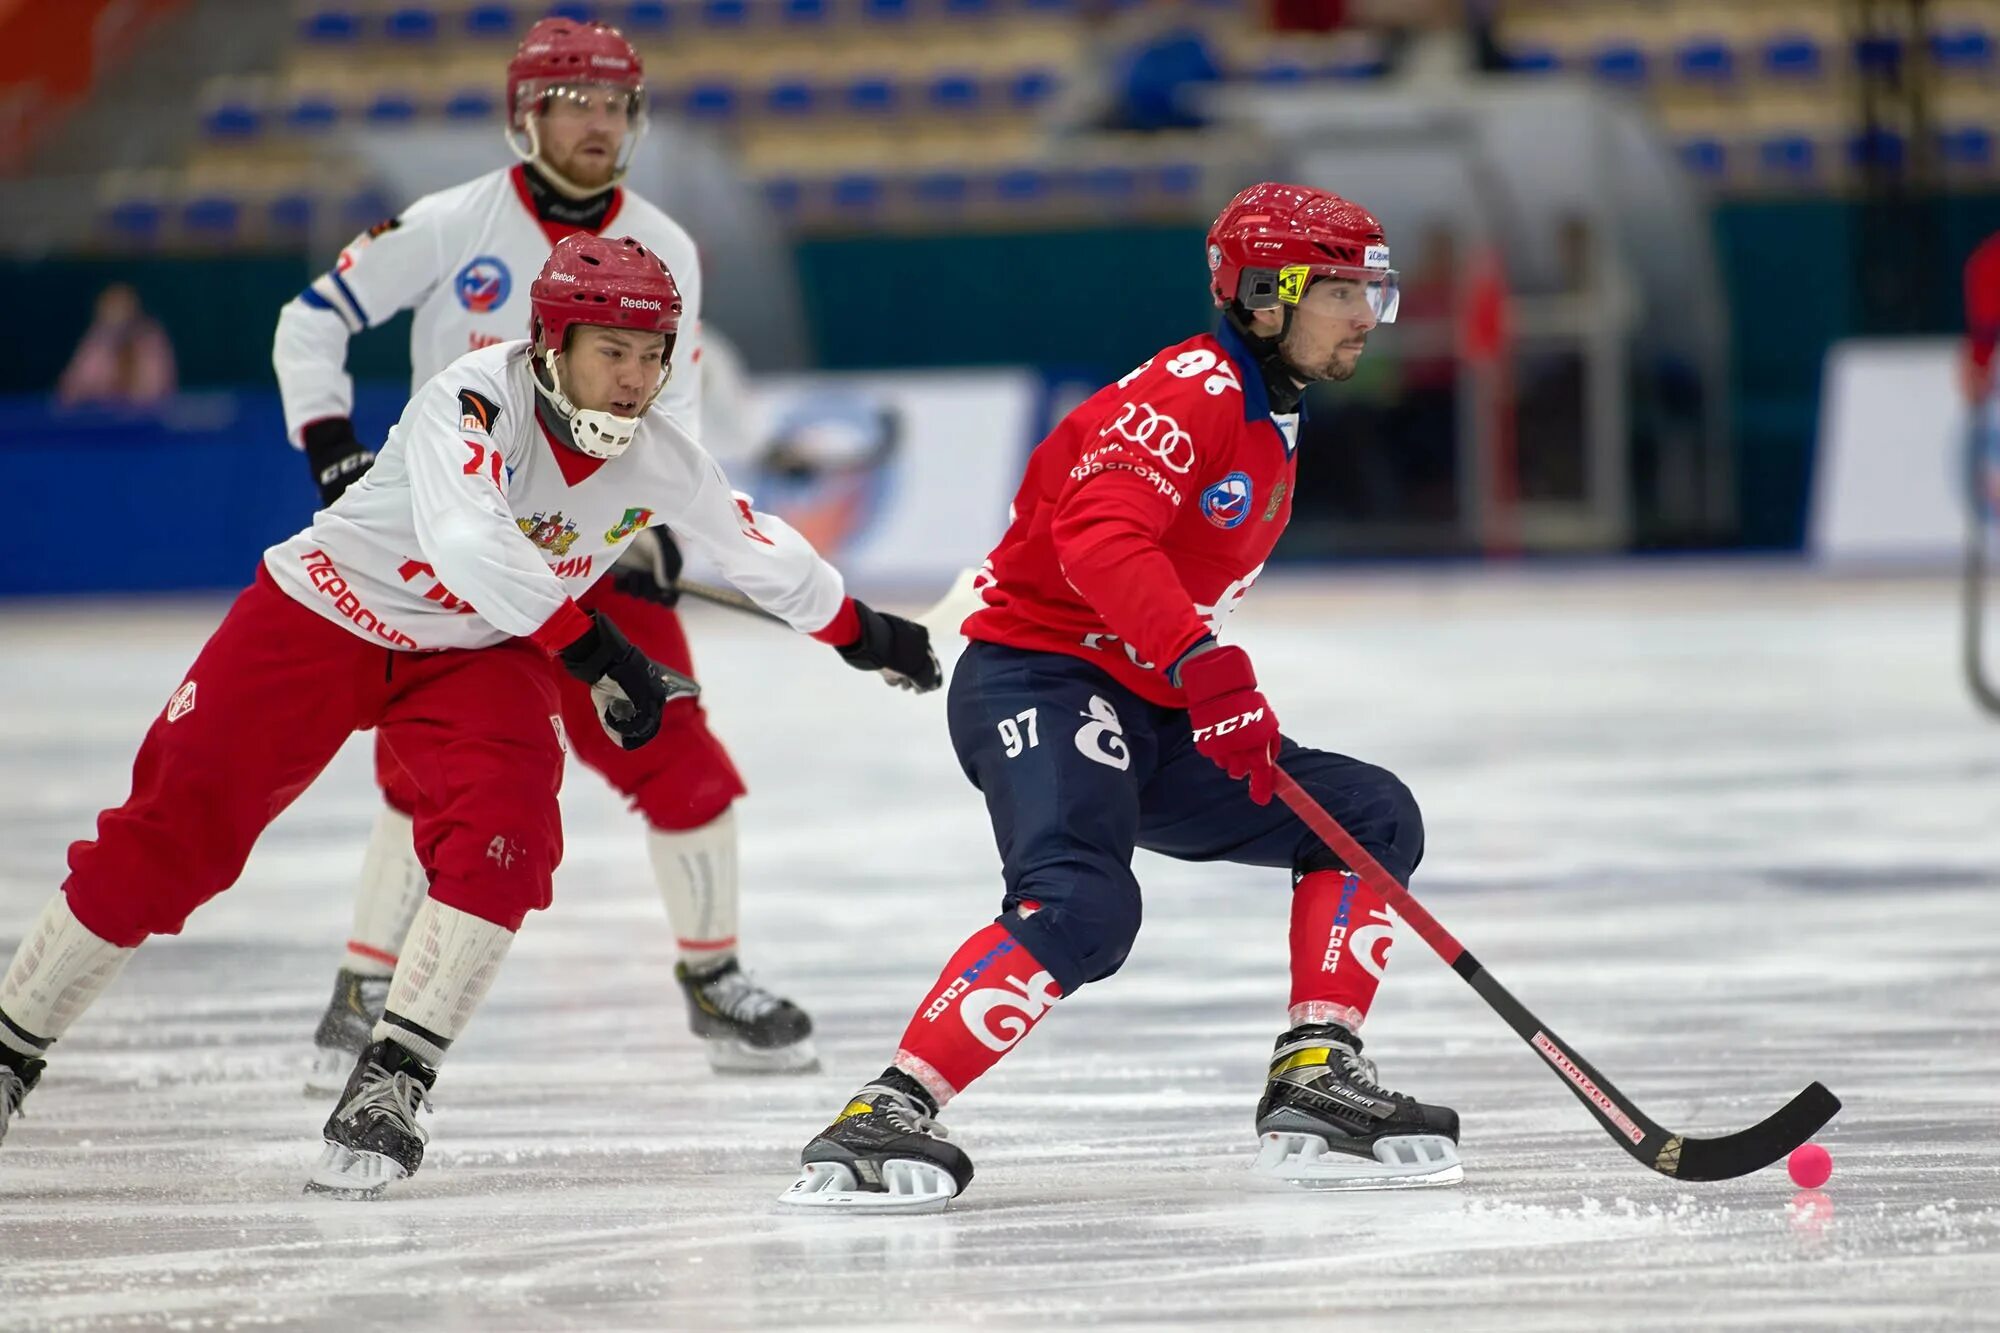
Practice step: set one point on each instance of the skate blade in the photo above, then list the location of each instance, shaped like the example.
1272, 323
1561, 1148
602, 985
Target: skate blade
327, 1075
731, 1055
1401, 1161
341, 1174
910, 1187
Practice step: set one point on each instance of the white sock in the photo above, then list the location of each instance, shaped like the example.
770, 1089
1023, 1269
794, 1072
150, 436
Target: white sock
393, 886
448, 964
57, 973
696, 870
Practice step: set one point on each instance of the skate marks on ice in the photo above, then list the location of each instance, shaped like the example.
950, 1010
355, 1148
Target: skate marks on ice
1728, 838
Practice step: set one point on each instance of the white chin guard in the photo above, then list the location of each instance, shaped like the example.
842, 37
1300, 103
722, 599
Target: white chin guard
599, 434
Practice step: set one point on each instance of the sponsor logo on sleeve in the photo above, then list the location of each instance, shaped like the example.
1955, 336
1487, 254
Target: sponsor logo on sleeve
476, 411
483, 284
1227, 503
1277, 498
182, 703
634, 520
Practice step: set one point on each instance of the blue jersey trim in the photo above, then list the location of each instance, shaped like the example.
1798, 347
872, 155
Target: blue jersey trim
347, 292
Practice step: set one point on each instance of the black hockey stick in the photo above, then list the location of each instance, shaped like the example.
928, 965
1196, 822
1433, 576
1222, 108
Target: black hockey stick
1980, 520
942, 619
1676, 1155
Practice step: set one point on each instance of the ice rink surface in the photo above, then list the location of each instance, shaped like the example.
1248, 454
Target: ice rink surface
1727, 828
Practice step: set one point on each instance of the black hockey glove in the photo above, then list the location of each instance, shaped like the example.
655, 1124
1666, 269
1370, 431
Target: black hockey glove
338, 459
628, 688
650, 567
900, 649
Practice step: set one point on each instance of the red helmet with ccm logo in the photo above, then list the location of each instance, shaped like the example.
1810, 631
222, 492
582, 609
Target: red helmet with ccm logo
1273, 240
562, 51
600, 280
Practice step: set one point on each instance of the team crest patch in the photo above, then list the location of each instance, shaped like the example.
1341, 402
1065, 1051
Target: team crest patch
634, 520
476, 411
382, 228
1227, 503
182, 703
482, 285
551, 532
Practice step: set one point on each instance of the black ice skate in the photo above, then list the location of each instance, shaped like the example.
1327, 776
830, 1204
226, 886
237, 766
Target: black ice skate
345, 1030
1326, 1123
372, 1137
16, 1082
884, 1153
745, 1028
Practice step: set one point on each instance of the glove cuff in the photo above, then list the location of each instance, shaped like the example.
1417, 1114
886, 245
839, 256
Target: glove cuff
328, 434
844, 630
1217, 672
571, 634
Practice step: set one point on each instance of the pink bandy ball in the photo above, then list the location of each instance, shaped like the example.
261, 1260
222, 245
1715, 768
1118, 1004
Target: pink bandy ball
1810, 1166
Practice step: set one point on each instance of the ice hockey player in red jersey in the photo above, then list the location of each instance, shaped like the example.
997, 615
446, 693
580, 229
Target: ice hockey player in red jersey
1096, 712
461, 259
443, 601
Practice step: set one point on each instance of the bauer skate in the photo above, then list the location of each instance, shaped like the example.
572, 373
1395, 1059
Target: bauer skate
16, 1082
373, 1138
1326, 1123
744, 1028
883, 1154
345, 1030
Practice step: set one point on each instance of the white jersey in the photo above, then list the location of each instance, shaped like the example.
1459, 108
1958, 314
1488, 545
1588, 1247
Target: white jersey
464, 259
474, 526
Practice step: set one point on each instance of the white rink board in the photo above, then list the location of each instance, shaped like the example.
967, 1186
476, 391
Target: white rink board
1728, 830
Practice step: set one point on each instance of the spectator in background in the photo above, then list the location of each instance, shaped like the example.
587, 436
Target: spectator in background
124, 359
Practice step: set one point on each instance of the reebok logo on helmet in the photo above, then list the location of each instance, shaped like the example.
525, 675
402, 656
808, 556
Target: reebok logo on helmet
634, 303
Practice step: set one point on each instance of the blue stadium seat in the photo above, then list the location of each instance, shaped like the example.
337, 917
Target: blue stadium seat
234, 118
857, 191
1879, 53
1030, 88
1180, 179
886, 11
1969, 146
1050, 6
1705, 60
391, 106
1619, 62
785, 195
1524, 57
941, 189
489, 20
806, 11
579, 11
969, 8
411, 24
872, 95
330, 26
136, 221
646, 18
725, 13
791, 95
953, 90
1881, 148
1788, 154
1022, 185
290, 211
311, 113
1705, 156
1963, 48
364, 208
1108, 183
710, 99
1793, 55
472, 104
215, 217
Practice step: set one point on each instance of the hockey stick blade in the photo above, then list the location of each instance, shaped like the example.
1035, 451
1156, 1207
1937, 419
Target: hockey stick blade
1677, 1155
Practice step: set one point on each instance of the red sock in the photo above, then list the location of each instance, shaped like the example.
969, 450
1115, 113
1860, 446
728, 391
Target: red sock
1341, 933
988, 996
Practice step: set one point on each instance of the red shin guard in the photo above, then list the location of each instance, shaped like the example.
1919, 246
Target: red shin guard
1341, 933
988, 996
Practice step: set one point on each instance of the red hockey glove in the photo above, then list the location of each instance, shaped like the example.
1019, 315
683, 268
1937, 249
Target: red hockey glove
1233, 724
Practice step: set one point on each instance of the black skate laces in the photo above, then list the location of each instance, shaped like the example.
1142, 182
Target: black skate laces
397, 1096
737, 996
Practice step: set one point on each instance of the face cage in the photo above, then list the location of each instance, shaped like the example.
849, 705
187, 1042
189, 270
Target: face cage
526, 141
597, 433
1269, 288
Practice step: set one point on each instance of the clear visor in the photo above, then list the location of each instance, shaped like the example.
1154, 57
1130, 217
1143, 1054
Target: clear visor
620, 104
1349, 289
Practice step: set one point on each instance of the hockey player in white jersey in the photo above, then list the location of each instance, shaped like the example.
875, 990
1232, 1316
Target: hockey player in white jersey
460, 259
442, 602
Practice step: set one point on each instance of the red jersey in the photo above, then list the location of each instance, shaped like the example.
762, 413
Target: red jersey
1982, 301
1144, 517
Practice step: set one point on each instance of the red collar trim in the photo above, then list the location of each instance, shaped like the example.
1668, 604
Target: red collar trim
577, 466
557, 231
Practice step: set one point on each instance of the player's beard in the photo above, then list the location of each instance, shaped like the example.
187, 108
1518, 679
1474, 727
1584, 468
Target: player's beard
1339, 364
592, 173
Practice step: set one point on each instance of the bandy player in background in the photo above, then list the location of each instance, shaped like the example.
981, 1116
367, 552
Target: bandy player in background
1097, 713
1982, 322
461, 257
431, 602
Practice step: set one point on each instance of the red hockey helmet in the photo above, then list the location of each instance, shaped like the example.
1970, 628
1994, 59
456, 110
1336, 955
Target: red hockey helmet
617, 283
1272, 240
559, 51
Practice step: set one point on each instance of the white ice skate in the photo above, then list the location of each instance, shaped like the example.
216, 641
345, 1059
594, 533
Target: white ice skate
1402, 1161
906, 1186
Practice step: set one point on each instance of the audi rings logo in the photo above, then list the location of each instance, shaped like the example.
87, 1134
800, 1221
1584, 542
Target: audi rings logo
1155, 432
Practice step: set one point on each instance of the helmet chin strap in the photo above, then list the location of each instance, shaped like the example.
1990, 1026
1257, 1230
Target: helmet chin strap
587, 430
1281, 377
